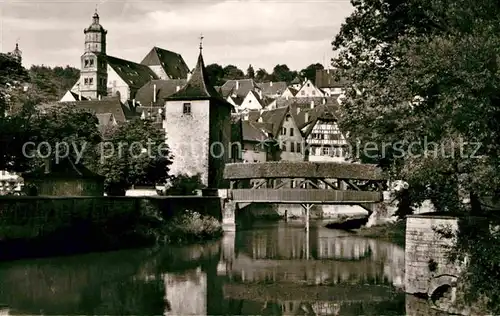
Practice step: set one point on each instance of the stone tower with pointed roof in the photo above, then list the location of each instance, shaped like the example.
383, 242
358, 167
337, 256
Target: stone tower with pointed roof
93, 74
198, 128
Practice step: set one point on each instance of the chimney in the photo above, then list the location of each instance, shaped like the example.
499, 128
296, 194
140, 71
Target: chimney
312, 104
177, 88
271, 84
237, 84
306, 117
154, 93
133, 103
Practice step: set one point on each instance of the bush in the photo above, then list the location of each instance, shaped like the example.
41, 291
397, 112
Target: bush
191, 227
185, 185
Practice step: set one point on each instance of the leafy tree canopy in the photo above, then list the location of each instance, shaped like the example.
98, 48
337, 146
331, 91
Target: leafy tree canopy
425, 99
310, 71
134, 153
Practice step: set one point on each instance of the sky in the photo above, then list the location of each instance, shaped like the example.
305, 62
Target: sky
261, 33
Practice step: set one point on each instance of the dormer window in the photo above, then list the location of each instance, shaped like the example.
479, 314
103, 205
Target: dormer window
186, 108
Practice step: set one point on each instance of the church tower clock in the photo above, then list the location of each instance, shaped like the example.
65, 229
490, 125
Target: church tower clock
93, 74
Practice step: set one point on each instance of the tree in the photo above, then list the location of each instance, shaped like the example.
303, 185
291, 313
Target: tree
232, 72
310, 71
427, 89
262, 75
283, 73
134, 153
215, 74
250, 72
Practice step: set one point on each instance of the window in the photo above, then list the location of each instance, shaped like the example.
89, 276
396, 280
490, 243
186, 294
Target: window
308, 84
91, 81
186, 108
291, 131
283, 131
86, 81
325, 151
91, 63
292, 147
86, 62
313, 92
303, 92
287, 118
299, 149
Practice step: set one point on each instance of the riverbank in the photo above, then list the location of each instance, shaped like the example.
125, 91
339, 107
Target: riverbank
393, 232
45, 227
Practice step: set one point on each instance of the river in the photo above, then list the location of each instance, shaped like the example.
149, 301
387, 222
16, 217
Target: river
268, 269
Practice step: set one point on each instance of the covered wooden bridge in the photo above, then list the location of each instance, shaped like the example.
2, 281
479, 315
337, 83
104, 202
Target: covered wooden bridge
305, 183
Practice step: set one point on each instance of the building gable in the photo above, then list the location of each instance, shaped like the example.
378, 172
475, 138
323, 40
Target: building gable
166, 64
308, 89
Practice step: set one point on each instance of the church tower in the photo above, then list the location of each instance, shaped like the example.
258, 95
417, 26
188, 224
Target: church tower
16, 53
198, 129
93, 74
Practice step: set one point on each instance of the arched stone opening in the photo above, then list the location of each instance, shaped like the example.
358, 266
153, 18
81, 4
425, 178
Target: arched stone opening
442, 291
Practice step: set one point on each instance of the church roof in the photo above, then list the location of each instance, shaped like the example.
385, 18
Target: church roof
95, 26
164, 89
135, 75
198, 86
172, 63
327, 78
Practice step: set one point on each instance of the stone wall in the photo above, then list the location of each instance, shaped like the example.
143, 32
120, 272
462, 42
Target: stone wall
426, 263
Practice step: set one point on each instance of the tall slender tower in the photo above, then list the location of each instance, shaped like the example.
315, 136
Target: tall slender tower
16, 53
94, 74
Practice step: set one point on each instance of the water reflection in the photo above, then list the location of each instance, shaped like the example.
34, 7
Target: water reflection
269, 270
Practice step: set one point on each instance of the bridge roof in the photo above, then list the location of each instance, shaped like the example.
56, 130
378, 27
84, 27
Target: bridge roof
282, 169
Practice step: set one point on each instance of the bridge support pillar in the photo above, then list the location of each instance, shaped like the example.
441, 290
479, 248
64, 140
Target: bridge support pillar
229, 215
308, 208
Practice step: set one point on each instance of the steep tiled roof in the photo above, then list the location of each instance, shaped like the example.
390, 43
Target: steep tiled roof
164, 89
134, 74
272, 88
293, 91
275, 118
323, 113
326, 78
76, 96
281, 102
198, 87
173, 64
237, 100
253, 132
110, 105
244, 86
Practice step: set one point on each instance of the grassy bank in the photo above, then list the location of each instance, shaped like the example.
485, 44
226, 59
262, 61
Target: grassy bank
393, 232
54, 228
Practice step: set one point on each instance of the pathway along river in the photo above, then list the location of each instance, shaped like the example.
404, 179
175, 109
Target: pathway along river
270, 269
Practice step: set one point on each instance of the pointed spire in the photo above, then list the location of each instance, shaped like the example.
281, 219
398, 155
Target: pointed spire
198, 86
95, 17
201, 43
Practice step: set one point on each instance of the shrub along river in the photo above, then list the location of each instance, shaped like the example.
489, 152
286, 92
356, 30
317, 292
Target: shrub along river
268, 269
